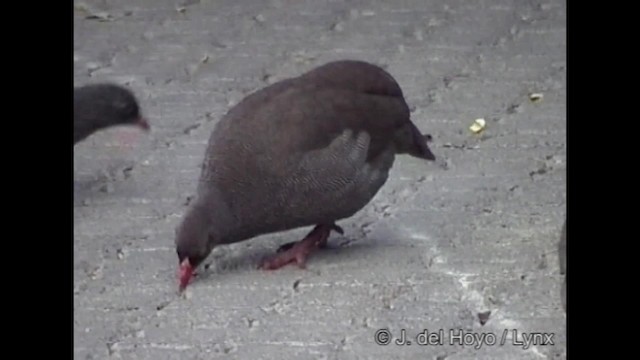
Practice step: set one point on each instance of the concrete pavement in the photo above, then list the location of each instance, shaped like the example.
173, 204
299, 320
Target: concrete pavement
439, 247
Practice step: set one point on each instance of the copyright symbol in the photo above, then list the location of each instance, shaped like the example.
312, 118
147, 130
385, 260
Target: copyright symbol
382, 337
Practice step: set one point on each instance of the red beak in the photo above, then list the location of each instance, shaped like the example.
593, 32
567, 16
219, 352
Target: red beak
185, 274
143, 123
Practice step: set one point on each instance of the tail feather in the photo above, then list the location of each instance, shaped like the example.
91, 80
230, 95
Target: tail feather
422, 141
410, 141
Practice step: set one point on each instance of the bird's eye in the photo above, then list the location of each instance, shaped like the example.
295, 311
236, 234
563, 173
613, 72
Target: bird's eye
126, 109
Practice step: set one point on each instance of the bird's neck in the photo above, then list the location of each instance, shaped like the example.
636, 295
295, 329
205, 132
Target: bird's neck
220, 220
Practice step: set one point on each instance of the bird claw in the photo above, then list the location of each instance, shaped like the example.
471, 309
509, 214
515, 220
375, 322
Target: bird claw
299, 251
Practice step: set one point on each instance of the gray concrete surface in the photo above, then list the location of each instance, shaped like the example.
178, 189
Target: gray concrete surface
438, 245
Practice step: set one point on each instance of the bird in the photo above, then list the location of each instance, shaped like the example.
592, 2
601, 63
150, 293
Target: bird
562, 254
102, 105
305, 151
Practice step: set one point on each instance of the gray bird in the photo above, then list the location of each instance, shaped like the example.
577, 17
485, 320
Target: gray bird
562, 253
305, 151
99, 106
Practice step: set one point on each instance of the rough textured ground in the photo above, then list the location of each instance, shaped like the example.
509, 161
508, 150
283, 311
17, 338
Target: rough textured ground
437, 246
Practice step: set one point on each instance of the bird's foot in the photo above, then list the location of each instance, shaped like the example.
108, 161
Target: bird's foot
297, 252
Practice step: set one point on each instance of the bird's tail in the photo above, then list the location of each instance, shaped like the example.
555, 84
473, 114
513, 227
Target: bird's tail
410, 141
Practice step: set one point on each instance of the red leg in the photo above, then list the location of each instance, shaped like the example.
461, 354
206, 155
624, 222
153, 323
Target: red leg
299, 251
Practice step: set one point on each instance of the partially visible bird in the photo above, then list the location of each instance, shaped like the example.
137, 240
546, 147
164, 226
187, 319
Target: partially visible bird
99, 106
305, 151
562, 253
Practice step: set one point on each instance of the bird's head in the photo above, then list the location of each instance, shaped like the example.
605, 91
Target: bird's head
193, 244
114, 105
